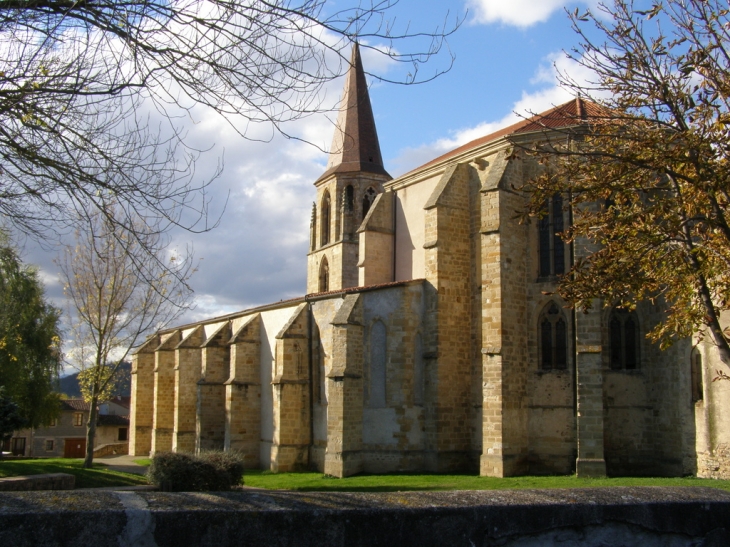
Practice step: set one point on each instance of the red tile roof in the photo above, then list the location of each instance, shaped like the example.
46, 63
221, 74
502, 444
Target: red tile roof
574, 112
78, 405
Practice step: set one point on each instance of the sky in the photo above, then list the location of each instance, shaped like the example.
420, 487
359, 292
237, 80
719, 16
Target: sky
505, 54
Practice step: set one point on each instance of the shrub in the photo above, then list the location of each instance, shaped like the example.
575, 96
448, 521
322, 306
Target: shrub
211, 471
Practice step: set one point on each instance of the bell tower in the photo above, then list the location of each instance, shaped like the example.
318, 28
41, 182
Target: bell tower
354, 177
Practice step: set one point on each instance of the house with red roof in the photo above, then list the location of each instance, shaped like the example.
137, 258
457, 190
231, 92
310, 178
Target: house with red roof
432, 338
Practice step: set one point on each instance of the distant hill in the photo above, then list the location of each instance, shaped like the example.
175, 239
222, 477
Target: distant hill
69, 385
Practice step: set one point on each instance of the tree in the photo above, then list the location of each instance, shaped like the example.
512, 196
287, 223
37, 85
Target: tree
30, 342
114, 305
648, 177
76, 79
10, 418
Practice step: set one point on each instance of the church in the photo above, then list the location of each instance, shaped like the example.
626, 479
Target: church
431, 338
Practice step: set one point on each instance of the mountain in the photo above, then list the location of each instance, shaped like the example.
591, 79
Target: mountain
69, 385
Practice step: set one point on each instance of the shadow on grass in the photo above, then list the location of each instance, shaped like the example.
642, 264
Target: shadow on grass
97, 477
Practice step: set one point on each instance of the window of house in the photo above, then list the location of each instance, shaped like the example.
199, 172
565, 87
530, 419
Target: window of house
123, 434
78, 419
324, 275
623, 327
325, 216
54, 422
553, 338
696, 371
367, 200
551, 246
49, 445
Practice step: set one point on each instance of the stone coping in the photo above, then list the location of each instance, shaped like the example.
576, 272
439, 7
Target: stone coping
603, 516
44, 481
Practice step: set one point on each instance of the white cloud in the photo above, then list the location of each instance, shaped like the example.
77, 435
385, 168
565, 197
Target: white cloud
519, 13
529, 103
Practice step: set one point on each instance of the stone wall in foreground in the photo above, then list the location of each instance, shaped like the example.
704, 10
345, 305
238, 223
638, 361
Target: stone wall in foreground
586, 517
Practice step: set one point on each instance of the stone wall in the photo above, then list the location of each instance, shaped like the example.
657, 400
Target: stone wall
567, 518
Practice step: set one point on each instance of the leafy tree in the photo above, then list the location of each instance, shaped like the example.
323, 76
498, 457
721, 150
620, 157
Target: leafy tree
10, 418
29, 340
648, 176
92, 95
114, 305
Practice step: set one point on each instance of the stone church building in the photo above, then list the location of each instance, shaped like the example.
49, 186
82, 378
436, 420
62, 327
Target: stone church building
430, 338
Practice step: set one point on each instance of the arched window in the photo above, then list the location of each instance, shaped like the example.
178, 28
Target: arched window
324, 275
378, 353
367, 201
623, 339
349, 197
696, 376
553, 338
325, 216
551, 246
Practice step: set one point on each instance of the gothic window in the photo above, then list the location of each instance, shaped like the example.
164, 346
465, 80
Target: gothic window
551, 246
349, 197
378, 354
325, 216
367, 201
418, 373
324, 275
623, 339
696, 370
313, 243
553, 339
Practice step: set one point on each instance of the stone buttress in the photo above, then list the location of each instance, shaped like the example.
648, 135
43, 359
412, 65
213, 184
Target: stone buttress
292, 411
187, 373
243, 392
345, 401
211, 404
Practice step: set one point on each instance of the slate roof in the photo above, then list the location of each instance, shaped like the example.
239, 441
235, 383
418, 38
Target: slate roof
360, 149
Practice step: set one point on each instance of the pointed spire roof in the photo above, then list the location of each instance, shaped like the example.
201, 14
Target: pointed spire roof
355, 146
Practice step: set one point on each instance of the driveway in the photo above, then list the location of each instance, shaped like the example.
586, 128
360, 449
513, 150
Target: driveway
122, 463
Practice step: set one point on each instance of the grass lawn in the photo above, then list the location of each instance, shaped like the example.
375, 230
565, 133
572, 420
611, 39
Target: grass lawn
99, 475
308, 482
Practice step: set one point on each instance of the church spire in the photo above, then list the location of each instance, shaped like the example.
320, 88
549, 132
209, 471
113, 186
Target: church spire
355, 146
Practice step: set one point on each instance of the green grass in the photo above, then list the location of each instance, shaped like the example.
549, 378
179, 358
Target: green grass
145, 462
96, 477
308, 482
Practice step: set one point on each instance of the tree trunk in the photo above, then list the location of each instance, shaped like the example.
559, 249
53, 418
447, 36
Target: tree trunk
91, 430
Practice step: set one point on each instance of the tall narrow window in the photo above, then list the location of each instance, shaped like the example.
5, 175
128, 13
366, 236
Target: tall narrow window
325, 216
324, 275
378, 355
313, 229
418, 373
553, 339
696, 370
349, 198
623, 340
551, 246
367, 201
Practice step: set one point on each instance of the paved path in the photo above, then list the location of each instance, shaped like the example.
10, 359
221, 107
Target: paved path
122, 463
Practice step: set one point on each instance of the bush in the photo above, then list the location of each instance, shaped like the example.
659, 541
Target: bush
211, 471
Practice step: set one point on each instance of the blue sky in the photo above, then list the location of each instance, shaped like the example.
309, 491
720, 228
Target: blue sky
505, 52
